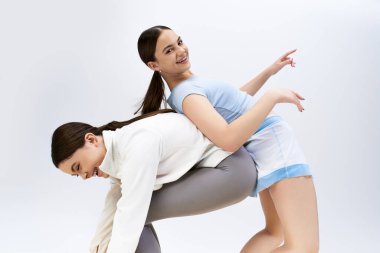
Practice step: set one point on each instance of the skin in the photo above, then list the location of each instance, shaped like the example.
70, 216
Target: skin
289, 206
172, 58
87, 159
172, 61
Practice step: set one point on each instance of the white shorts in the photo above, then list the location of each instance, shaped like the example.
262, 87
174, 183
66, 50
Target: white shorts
276, 153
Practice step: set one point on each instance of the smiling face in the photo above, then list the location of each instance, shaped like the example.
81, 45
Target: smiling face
172, 55
86, 160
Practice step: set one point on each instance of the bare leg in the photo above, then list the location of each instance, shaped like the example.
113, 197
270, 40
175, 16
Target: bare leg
272, 235
296, 204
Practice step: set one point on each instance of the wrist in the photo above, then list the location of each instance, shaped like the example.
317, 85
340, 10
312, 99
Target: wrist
268, 72
273, 96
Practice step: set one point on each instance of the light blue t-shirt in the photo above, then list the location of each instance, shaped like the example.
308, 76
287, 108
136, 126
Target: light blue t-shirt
227, 100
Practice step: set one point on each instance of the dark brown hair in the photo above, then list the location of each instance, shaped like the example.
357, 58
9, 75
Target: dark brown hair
69, 137
156, 91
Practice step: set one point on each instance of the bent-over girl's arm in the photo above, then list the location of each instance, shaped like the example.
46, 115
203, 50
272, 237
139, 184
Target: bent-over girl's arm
138, 171
103, 232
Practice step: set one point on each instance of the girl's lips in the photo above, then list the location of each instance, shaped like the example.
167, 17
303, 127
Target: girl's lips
183, 60
97, 172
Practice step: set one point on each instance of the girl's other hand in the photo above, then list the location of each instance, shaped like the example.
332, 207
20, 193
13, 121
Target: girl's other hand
282, 62
287, 96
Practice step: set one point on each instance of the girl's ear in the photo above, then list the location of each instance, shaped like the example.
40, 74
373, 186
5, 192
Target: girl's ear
90, 138
153, 66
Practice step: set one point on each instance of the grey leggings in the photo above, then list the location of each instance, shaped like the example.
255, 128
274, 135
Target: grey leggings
201, 190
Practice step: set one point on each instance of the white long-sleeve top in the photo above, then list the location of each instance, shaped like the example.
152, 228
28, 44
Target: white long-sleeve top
140, 158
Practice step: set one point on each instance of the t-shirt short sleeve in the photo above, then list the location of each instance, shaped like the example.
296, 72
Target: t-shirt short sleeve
181, 91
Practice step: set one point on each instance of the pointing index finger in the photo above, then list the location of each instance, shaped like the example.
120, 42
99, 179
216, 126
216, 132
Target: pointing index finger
288, 53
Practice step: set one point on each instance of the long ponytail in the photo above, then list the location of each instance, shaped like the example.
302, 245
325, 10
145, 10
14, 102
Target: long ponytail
154, 95
146, 46
113, 125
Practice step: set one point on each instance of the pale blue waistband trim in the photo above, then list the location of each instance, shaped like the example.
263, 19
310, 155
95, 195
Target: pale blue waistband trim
296, 170
268, 121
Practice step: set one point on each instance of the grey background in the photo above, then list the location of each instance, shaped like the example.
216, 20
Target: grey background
77, 60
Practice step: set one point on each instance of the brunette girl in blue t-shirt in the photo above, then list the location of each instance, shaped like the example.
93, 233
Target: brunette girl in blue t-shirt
232, 118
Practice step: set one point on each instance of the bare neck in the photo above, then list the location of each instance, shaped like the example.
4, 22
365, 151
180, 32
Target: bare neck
174, 80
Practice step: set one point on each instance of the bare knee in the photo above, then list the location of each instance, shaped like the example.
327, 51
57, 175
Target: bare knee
276, 234
272, 236
312, 247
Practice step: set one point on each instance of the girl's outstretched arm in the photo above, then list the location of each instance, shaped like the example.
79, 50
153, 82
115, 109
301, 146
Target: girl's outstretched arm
231, 137
256, 83
103, 233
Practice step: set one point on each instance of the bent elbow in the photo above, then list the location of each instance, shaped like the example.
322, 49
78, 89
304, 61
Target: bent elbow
228, 142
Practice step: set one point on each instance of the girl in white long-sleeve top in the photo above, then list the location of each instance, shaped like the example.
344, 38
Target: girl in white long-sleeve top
140, 156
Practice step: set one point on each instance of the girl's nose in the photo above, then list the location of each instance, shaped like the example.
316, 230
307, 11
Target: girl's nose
84, 175
181, 49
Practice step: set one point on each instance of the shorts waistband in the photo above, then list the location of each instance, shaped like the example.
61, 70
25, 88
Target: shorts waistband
269, 121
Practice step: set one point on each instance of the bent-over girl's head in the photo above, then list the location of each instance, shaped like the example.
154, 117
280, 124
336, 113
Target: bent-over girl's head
78, 148
68, 138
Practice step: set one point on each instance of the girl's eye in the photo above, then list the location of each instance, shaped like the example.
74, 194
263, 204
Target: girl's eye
169, 51
180, 42
77, 169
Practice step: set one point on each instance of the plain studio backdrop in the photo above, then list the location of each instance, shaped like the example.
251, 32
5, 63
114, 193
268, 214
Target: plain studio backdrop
77, 60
